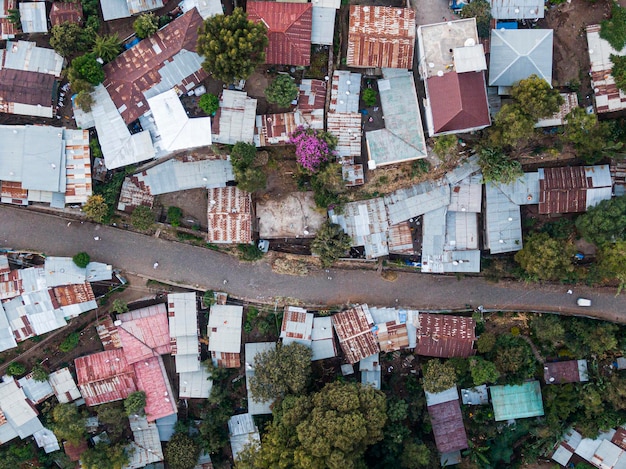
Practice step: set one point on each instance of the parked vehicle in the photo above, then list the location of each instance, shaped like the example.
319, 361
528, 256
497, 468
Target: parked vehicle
583, 302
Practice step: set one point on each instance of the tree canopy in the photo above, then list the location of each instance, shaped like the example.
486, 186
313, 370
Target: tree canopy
511, 126
590, 137
232, 46
438, 376
70, 38
181, 452
86, 67
483, 371
497, 167
283, 370
536, 97
250, 176
282, 91
81, 259
514, 358
135, 403
613, 30
314, 147
68, 423
142, 217
546, 258
107, 47
605, 222
209, 103
146, 25
330, 243
104, 456
613, 262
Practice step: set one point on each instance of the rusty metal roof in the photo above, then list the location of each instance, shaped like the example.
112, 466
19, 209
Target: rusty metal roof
607, 95
392, 336
381, 37
400, 239
134, 193
289, 30
347, 128
445, 336
67, 295
354, 329
152, 379
276, 129
78, 165
297, 326
105, 377
66, 12
7, 29
13, 193
107, 332
229, 215
23, 87
144, 333
165, 60
570, 371
448, 427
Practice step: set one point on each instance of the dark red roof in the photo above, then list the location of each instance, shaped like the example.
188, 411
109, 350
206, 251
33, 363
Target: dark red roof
448, 428
289, 30
137, 70
66, 12
562, 372
458, 101
105, 377
444, 336
620, 437
563, 190
24, 87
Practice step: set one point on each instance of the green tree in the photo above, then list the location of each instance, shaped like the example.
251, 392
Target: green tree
332, 428
113, 416
330, 243
483, 371
369, 97
16, 369
397, 409
497, 167
596, 337
119, 306
14, 17
481, 10
446, 146
107, 47
285, 369
142, 218
613, 262
605, 222
613, 30
486, 342
135, 403
181, 452
84, 101
232, 46
513, 357
327, 183
208, 298
282, 91
209, 103
174, 215
39, 373
619, 71
438, 376
146, 25
70, 38
70, 342
590, 137
512, 126
249, 252
79, 85
68, 423
81, 259
250, 177
86, 67
548, 329
104, 456
415, 455
545, 258
536, 97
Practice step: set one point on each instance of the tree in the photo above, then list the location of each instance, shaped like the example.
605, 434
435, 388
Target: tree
548, 329
249, 176
369, 97
39, 373
285, 369
86, 67
104, 456
119, 306
619, 71
81, 259
486, 342
545, 258
84, 101
483, 371
313, 147
107, 47
605, 222
146, 25
497, 167
232, 46
181, 452
445, 146
614, 30
596, 337
16, 369
209, 103
590, 137
135, 403
142, 218
512, 126
438, 376
330, 243
71, 38
536, 97
328, 185
282, 91
96, 208
513, 357
112, 415
481, 10
14, 17
613, 262
415, 455
68, 423
331, 429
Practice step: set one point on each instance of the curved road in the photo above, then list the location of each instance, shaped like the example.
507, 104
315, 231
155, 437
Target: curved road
22, 228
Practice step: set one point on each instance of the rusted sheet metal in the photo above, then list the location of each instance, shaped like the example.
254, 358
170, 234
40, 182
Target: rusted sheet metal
448, 427
67, 295
392, 336
105, 377
66, 12
108, 334
347, 129
445, 336
354, 329
400, 238
25, 87
275, 129
229, 215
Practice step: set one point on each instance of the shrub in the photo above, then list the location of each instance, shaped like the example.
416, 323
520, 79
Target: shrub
142, 218
369, 97
313, 147
16, 369
174, 214
282, 91
135, 403
209, 103
81, 259
70, 342
249, 252
146, 25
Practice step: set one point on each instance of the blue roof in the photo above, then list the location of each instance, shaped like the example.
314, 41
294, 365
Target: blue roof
517, 402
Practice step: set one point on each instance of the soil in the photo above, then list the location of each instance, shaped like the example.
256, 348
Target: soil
192, 202
281, 172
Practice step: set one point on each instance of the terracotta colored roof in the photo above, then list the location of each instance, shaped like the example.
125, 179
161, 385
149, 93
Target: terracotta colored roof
562, 372
392, 336
619, 438
67, 295
151, 379
144, 333
229, 215
226, 359
105, 377
445, 336
289, 30
135, 71
354, 329
75, 451
458, 101
66, 12
381, 37
448, 428
565, 189
20, 86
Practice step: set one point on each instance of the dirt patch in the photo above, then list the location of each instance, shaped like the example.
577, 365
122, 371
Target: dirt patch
293, 215
281, 171
192, 202
290, 267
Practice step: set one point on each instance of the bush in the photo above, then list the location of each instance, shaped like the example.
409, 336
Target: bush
70, 342
209, 103
87, 68
81, 259
369, 97
146, 25
249, 252
208, 298
282, 91
135, 403
142, 218
174, 214
614, 30
16, 369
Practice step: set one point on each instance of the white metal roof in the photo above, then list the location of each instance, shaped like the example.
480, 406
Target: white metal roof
64, 386
195, 384
469, 58
63, 271
224, 328
297, 326
146, 447
327, 3
587, 446
47, 440
17, 411
206, 8
36, 391
33, 17
503, 221
182, 308
517, 9
448, 395
464, 170
323, 27
7, 339
252, 350
466, 195
346, 87
26, 55
323, 341
242, 432
366, 223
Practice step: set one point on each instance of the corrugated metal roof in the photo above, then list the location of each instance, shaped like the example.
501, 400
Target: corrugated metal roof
252, 350
517, 54
75, 299
567, 189
516, 402
144, 333
370, 370
503, 221
63, 386
134, 193
400, 239
47, 440
607, 96
517, 9
137, 6
347, 128
289, 30
524, 190
19, 414
26, 93
235, 118
7, 339
152, 379
78, 186
475, 396
323, 341
609, 456
243, 432
323, 25
421, 198
336, 4
353, 174
27, 56
36, 391
570, 371
402, 139
4, 264
63, 271
33, 17
276, 129
66, 12
392, 336
444, 336
44, 314
345, 91
587, 446
7, 29
366, 223
114, 9
464, 170
448, 428
311, 102
354, 329
105, 377
466, 195
399, 316
206, 8
195, 384
183, 330
229, 215
166, 427
381, 37
570, 102
224, 328
297, 326
146, 447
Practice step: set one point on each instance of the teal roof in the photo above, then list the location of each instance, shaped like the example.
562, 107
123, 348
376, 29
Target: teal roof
517, 402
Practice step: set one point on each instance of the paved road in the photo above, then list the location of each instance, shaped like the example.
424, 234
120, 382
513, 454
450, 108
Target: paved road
22, 228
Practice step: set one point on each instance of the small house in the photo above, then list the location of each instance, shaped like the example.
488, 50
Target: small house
146, 445
19, 418
311, 101
297, 326
322, 339
516, 401
242, 432
33, 17
8, 30
366, 223
607, 96
224, 333
570, 371
64, 386
517, 9
444, 336
370, 370
229, 216
116, 9
343, 118
235, 118
252, 350
447, 422
66, 12
354, 327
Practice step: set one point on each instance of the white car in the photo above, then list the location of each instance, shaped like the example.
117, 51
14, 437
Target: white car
583, 302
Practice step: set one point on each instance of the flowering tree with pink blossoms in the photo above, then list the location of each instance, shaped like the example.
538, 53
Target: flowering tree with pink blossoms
314, 147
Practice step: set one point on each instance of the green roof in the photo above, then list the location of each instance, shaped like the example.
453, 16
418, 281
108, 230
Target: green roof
517, 402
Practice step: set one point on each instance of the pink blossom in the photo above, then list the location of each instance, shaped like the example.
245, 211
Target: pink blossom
311, 149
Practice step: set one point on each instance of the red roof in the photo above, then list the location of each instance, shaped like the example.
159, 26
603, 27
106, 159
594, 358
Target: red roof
354, 329
67, 295
151, 379
229, 215
105, 377
444, 336
289, 30
448, 428
564, 189
561, 372
458, 101
137, 70
66, 12
24, 87
144, 333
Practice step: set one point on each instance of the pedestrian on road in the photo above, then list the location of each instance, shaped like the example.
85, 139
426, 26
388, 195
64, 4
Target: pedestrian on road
97, 238
69, 223
156, 264
569, 292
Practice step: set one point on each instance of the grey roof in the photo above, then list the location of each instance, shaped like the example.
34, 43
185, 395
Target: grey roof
63, 385
98, 271
402, 139
19, 414
323, 27
475, 396
448, 395
450, 459
466, 195
236, 119
33, 17
183, 326
206, 8
370, 370
36, 391
461, 231
116, 9
601, 184
465, 169
517, 9
183, 64
47, 440
503, 221
517, 54
166, 426
252, 350
195, 384
63, 271
25, 55
7, 339
41, 311
242, 432
427, 196
146, 447
524, 190
346, 87
138, 6
322, 339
